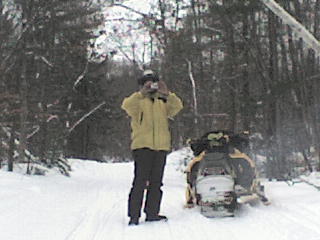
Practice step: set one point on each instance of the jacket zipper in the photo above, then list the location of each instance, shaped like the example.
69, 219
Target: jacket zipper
141, 118
153, 129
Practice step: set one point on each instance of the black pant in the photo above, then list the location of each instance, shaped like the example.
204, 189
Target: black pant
148, 174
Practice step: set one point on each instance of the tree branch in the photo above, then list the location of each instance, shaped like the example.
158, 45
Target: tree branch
297, 27
85, 116
131, 9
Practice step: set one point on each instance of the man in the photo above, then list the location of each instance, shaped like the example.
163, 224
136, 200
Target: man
149, 109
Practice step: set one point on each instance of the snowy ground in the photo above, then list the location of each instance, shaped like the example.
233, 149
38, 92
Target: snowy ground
91, 205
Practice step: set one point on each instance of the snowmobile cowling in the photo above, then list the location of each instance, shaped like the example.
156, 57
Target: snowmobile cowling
213, 188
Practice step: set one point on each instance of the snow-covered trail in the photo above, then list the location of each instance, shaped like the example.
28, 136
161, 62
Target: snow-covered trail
92, 204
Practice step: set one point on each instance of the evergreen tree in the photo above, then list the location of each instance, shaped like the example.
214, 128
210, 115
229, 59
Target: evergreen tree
50, 53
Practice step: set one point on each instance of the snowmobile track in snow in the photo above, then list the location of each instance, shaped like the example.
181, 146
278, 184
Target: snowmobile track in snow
107, 217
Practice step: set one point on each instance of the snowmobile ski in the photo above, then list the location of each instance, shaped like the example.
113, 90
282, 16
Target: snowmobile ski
250, 198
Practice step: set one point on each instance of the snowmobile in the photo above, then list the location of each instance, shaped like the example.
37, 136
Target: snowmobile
221, 175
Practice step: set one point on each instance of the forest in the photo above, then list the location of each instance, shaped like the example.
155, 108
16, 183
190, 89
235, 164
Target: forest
235, 64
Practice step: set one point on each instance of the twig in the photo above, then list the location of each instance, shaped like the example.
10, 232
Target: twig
81, 76
212, 29
122, 19
34, 132
46, 61
131, 9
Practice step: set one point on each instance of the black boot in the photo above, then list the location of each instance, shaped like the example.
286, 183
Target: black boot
156, 218
133, 221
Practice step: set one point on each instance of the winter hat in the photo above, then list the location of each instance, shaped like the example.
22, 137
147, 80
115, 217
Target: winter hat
148, 72
148, 75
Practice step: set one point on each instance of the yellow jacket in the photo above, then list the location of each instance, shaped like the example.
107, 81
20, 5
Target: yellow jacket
149, 120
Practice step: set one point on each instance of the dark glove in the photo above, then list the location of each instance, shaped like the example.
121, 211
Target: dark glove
146, 88
163, 89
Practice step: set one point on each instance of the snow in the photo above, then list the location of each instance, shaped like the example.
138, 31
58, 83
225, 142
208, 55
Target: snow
92, 204
314, 178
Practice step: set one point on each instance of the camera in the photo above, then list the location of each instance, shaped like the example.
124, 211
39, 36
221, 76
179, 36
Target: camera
149, 75
154, 86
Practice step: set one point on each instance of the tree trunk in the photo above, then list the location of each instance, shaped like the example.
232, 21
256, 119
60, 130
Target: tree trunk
316, 85
24, 112
11, 147
229, 70
273, 134
245, 108
23, 88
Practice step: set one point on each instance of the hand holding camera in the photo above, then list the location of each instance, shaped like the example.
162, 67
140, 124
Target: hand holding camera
152, 87
150, 84
146, 88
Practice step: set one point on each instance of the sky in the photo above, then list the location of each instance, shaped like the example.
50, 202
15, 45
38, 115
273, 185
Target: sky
123, 32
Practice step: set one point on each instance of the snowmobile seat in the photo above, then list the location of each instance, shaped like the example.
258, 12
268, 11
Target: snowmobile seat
215, 163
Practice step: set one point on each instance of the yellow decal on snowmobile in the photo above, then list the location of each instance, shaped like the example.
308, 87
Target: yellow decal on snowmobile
238, 154
194, 160
215, 136
190, 197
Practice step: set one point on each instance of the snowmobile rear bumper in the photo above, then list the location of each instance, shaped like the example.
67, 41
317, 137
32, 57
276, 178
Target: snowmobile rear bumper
216, 211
